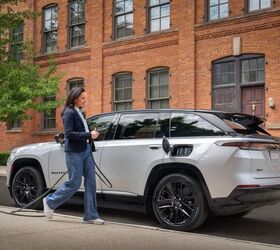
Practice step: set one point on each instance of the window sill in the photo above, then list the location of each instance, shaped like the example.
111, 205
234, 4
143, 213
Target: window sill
243, 18
273, 126
63, 53
141, 38
14, 131
45, 132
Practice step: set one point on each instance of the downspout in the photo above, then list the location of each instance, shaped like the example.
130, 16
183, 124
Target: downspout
102, 60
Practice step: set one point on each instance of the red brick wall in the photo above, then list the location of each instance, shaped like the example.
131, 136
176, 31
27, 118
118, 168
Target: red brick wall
259, 33
187, 49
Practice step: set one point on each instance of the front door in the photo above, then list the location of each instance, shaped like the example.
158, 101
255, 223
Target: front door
253, 100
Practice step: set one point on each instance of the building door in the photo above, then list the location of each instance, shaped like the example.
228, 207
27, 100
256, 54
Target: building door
253, 100
238, 84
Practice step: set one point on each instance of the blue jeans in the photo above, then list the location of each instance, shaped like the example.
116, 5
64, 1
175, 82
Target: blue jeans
78, 164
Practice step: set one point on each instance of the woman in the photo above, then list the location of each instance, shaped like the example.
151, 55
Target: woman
79, 161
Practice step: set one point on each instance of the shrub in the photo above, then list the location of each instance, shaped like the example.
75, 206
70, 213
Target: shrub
3, 158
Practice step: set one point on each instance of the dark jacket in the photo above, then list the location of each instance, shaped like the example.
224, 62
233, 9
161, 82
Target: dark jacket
76, 138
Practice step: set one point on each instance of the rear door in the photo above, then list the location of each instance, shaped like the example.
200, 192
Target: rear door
253, 100
191, 135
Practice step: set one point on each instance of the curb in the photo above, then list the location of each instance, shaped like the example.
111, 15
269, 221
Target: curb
3, 170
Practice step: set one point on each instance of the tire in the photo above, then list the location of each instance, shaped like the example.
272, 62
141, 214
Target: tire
27, 186
179, 203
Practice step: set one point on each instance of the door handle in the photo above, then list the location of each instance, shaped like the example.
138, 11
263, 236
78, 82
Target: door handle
154, 147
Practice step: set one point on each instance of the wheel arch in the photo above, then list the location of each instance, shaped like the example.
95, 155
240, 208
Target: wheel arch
26, 162
162, 170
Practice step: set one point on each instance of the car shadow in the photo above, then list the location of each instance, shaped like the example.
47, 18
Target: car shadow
245, 228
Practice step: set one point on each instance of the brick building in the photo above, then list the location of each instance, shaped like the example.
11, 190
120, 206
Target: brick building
203, 54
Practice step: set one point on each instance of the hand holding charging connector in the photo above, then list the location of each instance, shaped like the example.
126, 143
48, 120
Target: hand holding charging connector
94, 134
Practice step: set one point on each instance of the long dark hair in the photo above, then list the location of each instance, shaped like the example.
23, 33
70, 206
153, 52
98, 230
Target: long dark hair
72, 96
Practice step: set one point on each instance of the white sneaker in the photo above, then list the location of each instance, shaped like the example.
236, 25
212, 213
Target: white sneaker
47, 211
96, 221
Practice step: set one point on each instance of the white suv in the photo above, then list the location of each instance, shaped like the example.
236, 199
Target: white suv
209, 161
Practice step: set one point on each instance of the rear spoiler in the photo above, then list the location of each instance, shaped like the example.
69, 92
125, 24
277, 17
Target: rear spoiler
250, 122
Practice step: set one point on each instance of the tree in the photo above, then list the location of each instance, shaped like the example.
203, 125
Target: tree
23, 86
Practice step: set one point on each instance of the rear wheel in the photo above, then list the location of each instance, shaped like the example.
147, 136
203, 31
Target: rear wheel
179, 203
27, 185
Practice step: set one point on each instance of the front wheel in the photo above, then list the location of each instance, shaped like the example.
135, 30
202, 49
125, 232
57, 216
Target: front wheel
179, 203
27, 186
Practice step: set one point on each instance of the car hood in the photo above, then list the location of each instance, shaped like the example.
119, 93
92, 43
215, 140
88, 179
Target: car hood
31, 148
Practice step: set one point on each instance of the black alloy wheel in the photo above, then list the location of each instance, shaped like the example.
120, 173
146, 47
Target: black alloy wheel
179, 202
27, 185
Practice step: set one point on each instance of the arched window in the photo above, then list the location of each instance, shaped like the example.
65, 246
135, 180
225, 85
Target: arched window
122, 89
158, 88
75, 82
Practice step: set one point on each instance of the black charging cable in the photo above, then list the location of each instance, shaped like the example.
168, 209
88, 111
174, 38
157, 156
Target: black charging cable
99, 174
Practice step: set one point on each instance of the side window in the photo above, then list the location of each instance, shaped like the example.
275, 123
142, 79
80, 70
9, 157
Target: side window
183, 124
102, 124
137, 126
163, 126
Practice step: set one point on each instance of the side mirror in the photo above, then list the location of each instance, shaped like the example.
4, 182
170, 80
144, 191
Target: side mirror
165, 145
59, 138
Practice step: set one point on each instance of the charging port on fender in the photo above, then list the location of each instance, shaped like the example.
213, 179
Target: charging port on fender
181, 150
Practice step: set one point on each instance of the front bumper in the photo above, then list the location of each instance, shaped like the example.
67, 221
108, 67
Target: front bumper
243, 199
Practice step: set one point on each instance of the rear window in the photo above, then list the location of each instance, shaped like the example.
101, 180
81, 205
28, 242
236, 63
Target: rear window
137, 126
183, 124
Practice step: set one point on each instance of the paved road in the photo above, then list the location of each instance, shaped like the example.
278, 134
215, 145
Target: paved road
262, 225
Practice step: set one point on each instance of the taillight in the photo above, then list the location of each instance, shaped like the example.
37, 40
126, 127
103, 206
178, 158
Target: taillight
246, 145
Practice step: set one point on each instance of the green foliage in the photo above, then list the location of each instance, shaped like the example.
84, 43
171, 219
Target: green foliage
23, 86
3, 158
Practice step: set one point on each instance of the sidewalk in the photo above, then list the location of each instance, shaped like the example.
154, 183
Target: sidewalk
3, 170
68, 232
